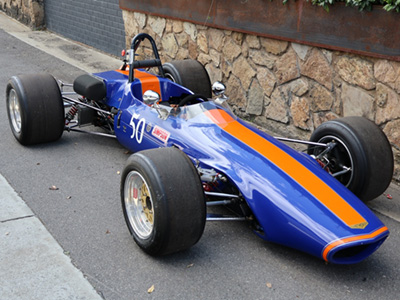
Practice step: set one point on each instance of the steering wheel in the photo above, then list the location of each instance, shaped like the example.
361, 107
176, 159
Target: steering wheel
191, 98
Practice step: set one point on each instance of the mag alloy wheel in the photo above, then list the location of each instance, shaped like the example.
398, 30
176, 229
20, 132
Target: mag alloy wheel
362, 158
339, 160
15, 111
35, 108
162, 200
139, 205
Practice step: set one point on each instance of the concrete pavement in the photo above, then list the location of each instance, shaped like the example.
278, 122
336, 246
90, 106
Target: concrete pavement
32, 264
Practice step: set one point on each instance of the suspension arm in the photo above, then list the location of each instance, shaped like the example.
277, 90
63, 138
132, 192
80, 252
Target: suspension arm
89, 106
300, 141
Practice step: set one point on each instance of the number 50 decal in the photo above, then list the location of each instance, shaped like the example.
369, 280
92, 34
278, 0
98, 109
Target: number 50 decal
138, 128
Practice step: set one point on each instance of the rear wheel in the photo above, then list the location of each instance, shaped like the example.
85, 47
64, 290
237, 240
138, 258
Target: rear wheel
163, 201
362, 157
35, 108
190, 74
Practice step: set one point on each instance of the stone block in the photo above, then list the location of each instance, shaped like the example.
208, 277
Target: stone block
356, 71
357, 102
317, 67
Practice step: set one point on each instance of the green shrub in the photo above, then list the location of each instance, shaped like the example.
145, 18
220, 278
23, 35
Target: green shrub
362, 5
393, 5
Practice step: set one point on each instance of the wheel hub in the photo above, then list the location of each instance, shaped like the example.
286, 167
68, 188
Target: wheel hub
15, 111
139, 205
339, 160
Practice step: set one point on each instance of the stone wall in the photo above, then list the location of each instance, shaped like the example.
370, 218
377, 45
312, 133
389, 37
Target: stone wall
284, 87
29, 12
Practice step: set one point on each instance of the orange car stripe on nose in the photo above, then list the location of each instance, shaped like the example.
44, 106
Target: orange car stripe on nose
313, 184
147, 80
350, 239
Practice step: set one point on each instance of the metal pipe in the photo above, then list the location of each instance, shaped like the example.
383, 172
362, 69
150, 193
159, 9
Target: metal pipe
345, 170
329, 147
87, 105
62, 84
222, 202
300, 141
214, 194
226, 218
134, 45
91, 132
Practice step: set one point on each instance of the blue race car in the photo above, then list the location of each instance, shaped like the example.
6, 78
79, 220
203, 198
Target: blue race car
191, 152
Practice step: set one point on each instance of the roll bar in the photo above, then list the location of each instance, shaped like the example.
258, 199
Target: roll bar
156, 62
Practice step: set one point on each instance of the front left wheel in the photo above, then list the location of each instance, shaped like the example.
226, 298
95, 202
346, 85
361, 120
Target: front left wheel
163, 201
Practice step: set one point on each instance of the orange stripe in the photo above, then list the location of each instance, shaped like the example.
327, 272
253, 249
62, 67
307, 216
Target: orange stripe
332, 245
314, 185
148, 81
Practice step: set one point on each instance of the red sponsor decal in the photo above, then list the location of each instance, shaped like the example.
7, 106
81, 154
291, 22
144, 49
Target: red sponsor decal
161, 134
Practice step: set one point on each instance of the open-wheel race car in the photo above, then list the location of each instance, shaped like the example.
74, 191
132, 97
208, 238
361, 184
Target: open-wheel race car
192, 152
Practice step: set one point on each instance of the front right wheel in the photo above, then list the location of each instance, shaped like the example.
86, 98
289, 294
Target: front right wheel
361, 159
163, 201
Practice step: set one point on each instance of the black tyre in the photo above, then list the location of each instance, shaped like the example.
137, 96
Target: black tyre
163, 201
362, 154
190, 74
35, 108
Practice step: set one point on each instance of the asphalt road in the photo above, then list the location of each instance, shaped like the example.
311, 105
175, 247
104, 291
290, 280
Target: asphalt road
84, 215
